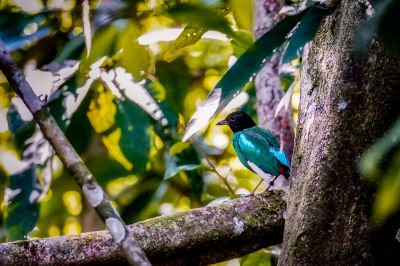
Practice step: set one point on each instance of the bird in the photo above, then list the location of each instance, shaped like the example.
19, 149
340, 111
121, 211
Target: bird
258, 150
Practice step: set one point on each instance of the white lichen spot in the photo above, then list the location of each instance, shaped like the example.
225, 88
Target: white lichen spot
116, 229
342, 105
238, 226
309, 122
398, 235
94, 194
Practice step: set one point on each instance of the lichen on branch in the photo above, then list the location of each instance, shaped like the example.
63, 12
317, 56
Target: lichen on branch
196, 237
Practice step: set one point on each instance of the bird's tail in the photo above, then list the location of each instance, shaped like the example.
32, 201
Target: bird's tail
285, 171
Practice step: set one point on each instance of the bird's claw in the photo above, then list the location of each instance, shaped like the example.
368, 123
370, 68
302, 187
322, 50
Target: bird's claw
249, 195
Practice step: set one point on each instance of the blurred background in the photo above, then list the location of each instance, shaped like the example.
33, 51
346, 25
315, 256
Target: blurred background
122, 78
123, 98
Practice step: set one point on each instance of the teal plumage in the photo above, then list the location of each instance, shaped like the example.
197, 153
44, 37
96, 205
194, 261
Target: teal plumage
258, 149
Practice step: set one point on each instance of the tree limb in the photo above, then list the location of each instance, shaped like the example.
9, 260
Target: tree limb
196, 237
71, 160
268, 85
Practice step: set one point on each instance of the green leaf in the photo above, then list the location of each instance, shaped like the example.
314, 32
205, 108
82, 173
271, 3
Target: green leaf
103, 45
178, 147
242, 72
190, 35
134, 57
145, 193
374, 3
197, 27
303, 33
381, 163
259, 258
176, 89
80, 132
21, 130
375, 162
12, 26
173, 169
242, 11
87, 31
71, 49
386, 31
211, 2
286, 78
22, 215
200, 16
3, 184
381, 23
135, 138
388, 194
196, 183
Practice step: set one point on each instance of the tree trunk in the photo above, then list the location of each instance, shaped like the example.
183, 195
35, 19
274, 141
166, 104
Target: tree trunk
268, 86
346, 104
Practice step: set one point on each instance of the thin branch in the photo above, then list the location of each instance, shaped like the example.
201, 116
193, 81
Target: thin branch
71, 161
205, 156
197, 237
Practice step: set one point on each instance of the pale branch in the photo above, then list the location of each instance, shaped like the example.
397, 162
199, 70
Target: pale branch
197, 237
267, 82
71, 161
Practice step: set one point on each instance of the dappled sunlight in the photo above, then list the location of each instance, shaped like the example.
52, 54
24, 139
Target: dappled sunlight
138, 87
72, 201
167, 35
71, 226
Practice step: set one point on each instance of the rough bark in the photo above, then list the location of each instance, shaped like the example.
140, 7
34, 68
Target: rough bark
346, 104
71, 160
196, 237
267, 81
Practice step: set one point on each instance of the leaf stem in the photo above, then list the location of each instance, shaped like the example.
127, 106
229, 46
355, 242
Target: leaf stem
212, 166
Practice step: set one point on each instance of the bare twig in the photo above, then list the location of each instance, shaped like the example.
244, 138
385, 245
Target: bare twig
72, 162
212, 166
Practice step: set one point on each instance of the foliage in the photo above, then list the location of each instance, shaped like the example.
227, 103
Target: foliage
381, 163
250, 62
122, 104
124, 90
22, 209
380, 25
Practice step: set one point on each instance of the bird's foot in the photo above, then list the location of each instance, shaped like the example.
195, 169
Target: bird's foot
271, 184
251, 194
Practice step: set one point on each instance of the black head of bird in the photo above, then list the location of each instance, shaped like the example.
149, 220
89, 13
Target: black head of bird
238, 121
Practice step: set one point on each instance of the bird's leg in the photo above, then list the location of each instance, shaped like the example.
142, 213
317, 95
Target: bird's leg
271, 184
254, 190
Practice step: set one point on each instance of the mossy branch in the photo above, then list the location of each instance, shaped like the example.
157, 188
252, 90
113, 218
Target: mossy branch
196, 237
71, 161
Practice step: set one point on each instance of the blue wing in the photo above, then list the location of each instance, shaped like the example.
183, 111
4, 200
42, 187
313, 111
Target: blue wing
273, 144
261, 148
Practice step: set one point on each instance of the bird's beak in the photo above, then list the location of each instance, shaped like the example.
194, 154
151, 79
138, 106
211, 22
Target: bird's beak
222, 122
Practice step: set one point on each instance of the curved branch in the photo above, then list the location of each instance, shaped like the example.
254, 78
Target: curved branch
196, 237
71, 160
